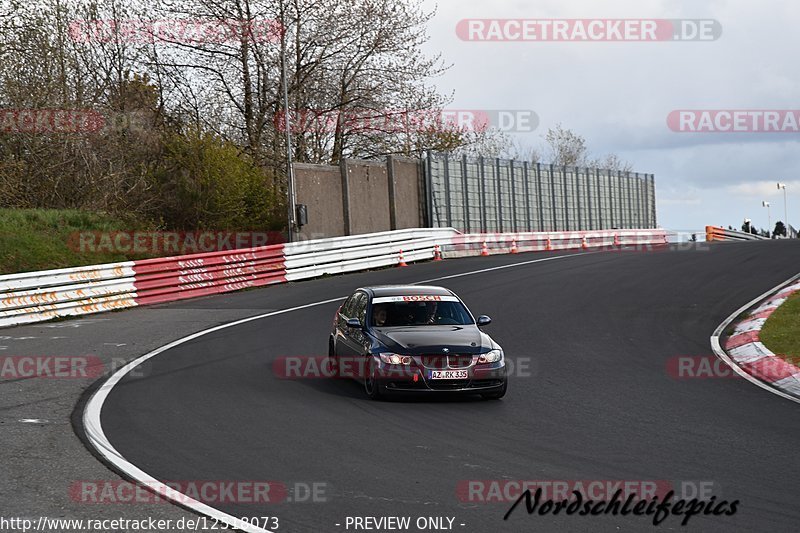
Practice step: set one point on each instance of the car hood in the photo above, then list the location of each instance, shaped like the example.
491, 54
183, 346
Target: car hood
419, 340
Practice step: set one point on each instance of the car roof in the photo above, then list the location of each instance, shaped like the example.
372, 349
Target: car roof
406, 290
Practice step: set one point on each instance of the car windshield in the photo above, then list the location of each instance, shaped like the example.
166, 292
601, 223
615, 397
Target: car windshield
436, 313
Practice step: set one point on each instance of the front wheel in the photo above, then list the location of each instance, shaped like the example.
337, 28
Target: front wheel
333, 361
372, 385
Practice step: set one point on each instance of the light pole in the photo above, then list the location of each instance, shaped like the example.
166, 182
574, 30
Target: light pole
785, 207
769, 215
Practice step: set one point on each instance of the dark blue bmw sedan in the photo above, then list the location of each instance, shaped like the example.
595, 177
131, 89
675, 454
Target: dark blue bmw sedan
410, 338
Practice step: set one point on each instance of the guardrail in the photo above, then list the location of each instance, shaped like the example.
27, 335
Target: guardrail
502, 243
37, 296
309, 259
176, 278
714, 233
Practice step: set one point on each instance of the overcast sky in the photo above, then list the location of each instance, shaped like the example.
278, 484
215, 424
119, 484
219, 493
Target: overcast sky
618, 95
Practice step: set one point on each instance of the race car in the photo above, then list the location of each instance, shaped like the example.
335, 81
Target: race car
409, 338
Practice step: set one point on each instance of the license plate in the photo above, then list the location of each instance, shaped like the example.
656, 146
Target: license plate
449, 374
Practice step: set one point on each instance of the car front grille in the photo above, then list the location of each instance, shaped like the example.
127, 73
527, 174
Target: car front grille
440, 362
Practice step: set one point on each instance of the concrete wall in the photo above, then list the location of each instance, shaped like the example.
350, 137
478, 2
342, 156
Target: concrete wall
320, 188
361, 196
409, 197
369, 197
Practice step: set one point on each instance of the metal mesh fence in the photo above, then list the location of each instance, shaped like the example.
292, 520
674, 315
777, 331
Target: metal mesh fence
501, 195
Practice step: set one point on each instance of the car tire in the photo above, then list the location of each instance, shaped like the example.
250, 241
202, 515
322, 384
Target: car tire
333, 361
495, 395
374, 389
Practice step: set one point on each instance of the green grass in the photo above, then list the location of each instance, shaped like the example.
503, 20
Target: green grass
781, 333
39, 239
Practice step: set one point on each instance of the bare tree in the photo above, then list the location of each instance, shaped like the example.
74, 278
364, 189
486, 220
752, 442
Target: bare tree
566, 148
612, 162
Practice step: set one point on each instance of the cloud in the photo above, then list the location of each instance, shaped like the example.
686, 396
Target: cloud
618, 95
763, 189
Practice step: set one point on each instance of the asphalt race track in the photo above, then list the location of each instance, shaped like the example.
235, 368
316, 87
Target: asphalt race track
599, 403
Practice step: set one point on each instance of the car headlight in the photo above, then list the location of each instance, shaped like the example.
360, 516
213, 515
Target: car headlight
394, 359
492, 356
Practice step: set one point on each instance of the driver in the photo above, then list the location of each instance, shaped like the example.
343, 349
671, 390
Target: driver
430, 312
379, 315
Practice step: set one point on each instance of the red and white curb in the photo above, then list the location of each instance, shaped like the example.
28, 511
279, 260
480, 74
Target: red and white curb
745, 352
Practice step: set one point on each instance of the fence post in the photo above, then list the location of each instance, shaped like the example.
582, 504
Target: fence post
564, 196
576, 172
345, 196
498, 185
513, 197
447, 208
482, 164
465, 190
429, 190
589, 198
526, 182
539, 195
553, 197
392, 193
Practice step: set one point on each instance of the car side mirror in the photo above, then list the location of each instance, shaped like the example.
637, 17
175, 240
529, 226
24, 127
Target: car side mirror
353, 323
484, 320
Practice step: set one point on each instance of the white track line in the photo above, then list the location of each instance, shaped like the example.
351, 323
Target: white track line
512, 265
98, 439
717, 346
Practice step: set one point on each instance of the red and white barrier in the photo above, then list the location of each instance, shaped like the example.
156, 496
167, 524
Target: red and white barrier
176, 278
714, 233
37, 296
463, 245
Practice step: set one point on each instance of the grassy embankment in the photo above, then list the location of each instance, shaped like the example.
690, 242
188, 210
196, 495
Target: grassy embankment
42, 239
781, 333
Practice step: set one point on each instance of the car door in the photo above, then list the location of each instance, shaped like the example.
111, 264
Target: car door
350, 341
340, 328
359, 336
